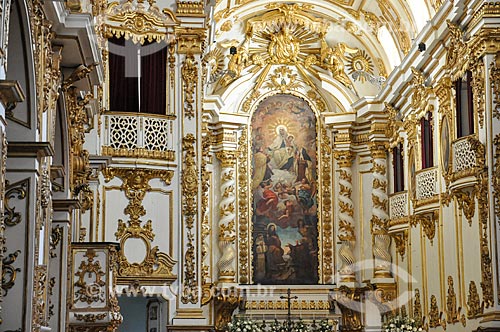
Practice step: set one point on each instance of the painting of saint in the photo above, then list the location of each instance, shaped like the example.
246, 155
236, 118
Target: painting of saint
284, 192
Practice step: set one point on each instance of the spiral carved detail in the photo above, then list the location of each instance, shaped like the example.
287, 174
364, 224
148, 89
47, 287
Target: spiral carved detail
226, 263
347, 259
380, 216
346, 229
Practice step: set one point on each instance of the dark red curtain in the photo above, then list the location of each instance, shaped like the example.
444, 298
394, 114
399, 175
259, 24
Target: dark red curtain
397, 155
427, 141
123, 76
153, 78
470, 104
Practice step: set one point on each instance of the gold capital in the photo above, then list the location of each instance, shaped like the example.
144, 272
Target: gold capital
227, 158
378, 150
344, 158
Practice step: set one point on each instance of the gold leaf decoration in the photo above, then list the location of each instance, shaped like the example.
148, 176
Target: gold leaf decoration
360, 61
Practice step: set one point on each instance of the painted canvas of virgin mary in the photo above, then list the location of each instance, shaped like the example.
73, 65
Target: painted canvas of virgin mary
284, 188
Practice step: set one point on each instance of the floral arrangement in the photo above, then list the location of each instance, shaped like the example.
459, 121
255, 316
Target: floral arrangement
324, 326
300, 326
401, 324
276, 327
243, 325
249, 325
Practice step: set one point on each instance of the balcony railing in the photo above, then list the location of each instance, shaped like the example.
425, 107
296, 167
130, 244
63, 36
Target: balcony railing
137, 136
464, 157
398, 205
426, 184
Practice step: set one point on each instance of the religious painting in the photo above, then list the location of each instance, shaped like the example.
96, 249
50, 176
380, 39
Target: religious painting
284, 190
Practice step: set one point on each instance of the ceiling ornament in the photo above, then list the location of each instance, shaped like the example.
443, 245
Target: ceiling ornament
136, 20
360, 62
391, 17
283, 79
289, 35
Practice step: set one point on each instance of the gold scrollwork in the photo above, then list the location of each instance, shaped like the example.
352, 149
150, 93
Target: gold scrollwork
90, 318
138, 22
496, 175
482, 189
243, 211
225, 304
495, 83
428, 223
283, 79
189, 40
478, 88
380, 216
351, 318
401, 241
135, 185
189, 72
9, 272
474, 306
421, 93
457, 56
435, 315
189, 207
326, 204
417, 308
78, 121
452, 312
84, 273
15, 191
39, 297
55, 237
206, 227
46, 61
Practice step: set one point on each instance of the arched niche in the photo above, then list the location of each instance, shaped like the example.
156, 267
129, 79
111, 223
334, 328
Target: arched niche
60, 161
20, 67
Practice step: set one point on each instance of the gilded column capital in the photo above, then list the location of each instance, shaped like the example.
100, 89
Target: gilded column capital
189, 40
344, 158
378, 150
227, 158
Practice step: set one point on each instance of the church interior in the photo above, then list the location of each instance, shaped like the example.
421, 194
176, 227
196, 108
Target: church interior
250, 165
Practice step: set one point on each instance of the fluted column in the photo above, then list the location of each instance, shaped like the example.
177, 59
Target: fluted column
381, 239
346, 217
227, 218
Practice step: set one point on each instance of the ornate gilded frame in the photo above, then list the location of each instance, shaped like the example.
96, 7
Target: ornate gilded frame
326, 257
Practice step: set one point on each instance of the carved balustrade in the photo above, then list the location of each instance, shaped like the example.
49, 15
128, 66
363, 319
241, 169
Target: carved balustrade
137, 136
464, 161
398, 208
426, 184
92, 299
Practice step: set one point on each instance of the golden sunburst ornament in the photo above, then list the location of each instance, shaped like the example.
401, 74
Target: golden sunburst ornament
360, 62
215, 62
